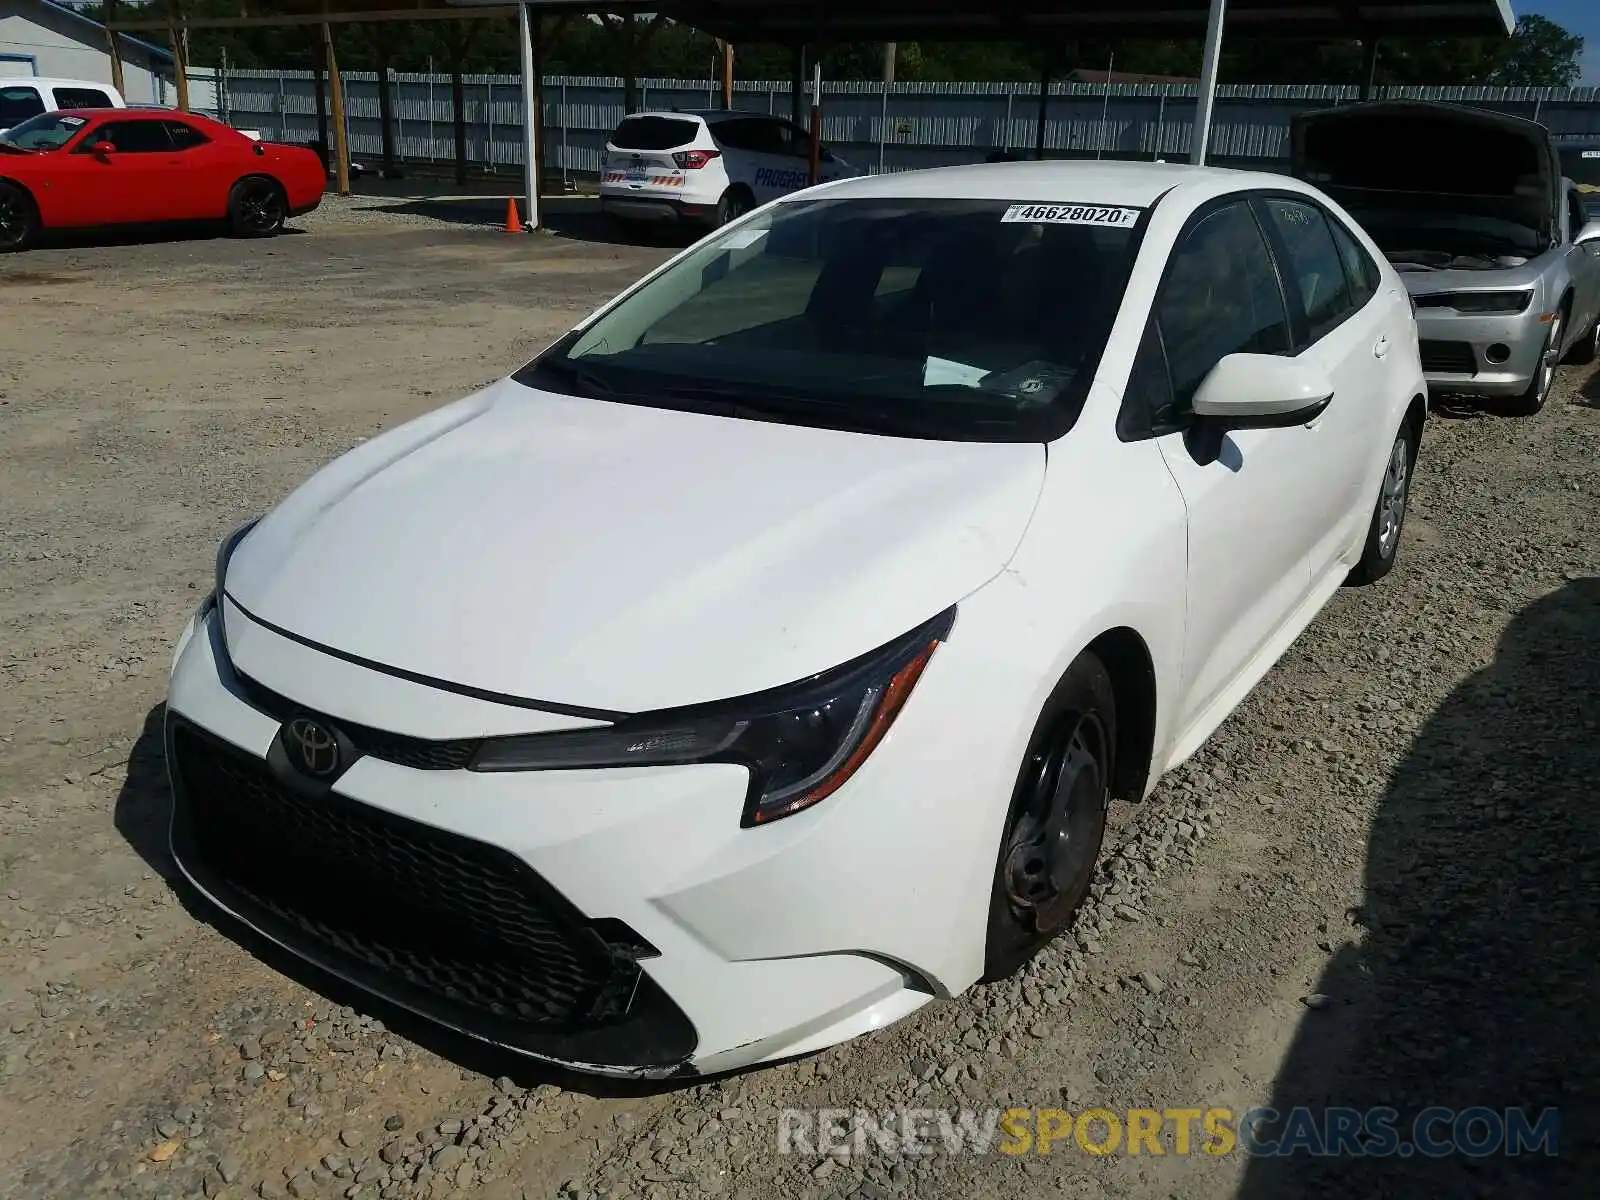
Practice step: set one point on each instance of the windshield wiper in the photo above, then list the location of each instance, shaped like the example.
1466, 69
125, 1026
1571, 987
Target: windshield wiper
732, 400
588, 382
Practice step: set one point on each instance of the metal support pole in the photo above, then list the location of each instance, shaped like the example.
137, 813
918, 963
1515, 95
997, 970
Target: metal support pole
566, 158
1161, 124
883, 125
432, 152
1206, 100
341, 134
1369, 66
797, 84
816, 123
1011, 100
1044, 108
1105, 108
530, 117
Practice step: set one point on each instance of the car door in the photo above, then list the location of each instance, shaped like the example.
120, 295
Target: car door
1352, 344
778, 170
1255, 497
125, 185
200, 174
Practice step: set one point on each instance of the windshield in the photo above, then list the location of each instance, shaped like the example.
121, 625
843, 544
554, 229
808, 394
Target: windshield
48, 131
956, 319
654, 133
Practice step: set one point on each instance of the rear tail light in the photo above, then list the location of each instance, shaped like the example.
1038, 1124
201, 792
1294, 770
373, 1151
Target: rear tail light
693, 160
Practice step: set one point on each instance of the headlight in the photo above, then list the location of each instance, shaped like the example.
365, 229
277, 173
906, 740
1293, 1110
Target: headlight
225, 552
1478, 302
801, 743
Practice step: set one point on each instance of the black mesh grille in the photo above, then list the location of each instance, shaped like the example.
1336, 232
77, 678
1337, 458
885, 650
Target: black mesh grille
453, 918
1448, 358
420, 754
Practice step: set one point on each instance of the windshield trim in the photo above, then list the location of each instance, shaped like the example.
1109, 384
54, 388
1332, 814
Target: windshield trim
553, 371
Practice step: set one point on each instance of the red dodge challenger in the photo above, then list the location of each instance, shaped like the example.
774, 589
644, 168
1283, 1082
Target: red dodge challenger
115, 166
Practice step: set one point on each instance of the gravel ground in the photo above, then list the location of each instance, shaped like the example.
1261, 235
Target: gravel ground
1375, 885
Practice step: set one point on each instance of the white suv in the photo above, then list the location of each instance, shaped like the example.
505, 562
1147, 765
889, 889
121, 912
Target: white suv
705, 167
28, 96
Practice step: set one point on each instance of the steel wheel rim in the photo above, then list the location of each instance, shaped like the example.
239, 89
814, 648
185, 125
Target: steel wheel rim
260, 207
1547, 364
13, 219
1055, 837
1392, 499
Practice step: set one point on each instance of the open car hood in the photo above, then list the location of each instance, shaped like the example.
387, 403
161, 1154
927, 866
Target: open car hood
1411, 155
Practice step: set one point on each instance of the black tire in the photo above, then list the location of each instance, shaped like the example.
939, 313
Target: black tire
1056, 821
19, 218
257, 207
1532, 400
735, 202
1587, 348
1382, 547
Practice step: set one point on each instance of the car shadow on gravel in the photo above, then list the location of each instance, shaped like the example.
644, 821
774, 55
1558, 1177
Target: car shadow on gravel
143, 812
1476, 980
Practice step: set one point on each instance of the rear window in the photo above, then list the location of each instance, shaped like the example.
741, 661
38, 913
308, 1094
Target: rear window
654, 133
17, 104
82, 98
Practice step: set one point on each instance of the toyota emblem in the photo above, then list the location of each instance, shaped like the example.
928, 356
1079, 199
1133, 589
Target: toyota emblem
312, 748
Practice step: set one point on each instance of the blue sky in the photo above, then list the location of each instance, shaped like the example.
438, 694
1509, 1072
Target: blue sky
1576, 16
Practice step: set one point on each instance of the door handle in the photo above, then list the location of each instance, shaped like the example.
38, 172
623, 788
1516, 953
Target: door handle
1380, 347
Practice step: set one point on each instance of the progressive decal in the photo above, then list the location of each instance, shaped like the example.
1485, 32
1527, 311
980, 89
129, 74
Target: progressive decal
1111, 216
774, 177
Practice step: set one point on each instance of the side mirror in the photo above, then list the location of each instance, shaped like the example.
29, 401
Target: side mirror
1262, 391
103, 149
1589, 233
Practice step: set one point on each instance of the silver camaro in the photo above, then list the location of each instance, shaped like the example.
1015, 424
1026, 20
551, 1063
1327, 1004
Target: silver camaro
1494, 245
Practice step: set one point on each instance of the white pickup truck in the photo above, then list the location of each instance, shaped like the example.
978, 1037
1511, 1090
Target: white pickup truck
28, 96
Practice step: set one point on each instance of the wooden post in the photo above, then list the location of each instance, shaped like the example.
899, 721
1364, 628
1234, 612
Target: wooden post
341, 150
726, 50
114, 47
178, 34
319, 64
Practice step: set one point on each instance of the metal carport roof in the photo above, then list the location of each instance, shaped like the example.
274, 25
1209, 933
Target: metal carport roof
966, 20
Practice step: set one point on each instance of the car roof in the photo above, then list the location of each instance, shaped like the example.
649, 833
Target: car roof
1052, 181
135, 114
709, 115
52, 81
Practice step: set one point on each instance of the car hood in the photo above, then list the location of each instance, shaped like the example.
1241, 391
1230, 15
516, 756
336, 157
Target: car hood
1423, 282
1422, 157
617, 557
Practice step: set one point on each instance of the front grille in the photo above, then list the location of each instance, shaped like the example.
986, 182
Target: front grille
421, 754
1448, 358
455, 928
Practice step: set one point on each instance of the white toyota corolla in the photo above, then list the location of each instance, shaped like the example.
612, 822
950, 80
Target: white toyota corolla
758, 663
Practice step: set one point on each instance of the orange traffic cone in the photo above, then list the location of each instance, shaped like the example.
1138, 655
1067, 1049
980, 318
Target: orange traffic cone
513, 221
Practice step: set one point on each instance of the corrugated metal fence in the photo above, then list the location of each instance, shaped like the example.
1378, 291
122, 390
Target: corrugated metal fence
894, 128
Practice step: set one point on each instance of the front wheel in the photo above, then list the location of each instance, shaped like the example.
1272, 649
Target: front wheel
19, 218
1382, 546
1544, 375
257, 207
1057, 819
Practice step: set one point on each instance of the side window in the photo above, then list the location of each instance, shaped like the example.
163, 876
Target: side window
185, 137
1314, 262
732, 135
134, 137
797, 141
67, 97
17, 104
1147, 403
1360, 272
1221, 297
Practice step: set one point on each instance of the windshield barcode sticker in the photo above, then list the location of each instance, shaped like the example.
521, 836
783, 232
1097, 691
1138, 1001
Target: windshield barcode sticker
1073, 214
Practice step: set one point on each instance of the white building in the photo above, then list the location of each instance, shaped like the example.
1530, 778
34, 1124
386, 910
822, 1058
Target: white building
38, 37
